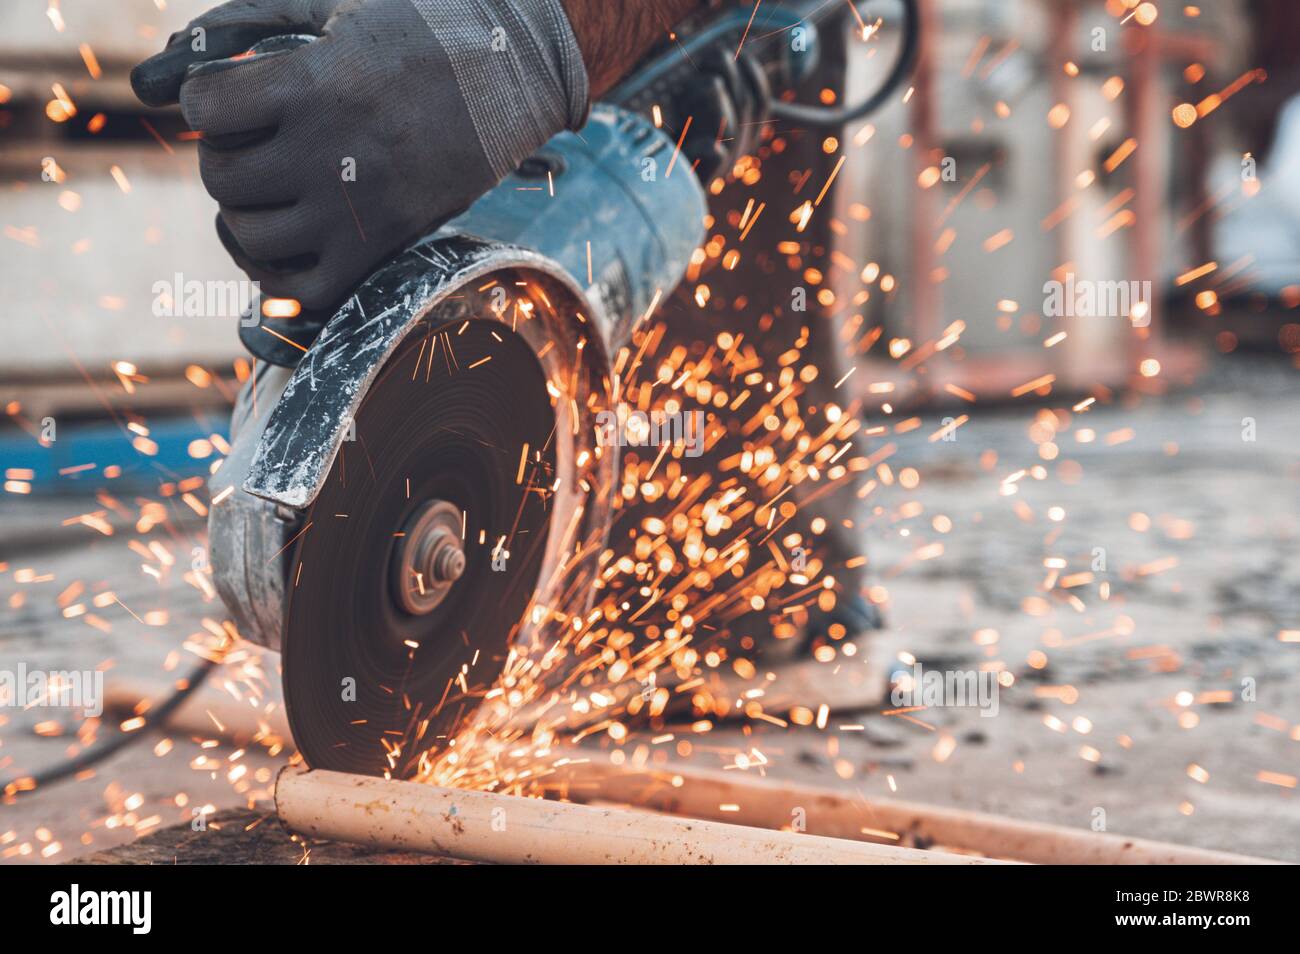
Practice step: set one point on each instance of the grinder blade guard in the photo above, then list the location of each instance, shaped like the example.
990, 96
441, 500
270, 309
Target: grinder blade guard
425, 492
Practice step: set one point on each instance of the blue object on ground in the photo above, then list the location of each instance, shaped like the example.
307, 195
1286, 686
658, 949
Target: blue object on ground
104, 444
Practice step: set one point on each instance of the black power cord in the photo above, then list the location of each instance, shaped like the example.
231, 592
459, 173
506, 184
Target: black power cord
910, 26
104, 748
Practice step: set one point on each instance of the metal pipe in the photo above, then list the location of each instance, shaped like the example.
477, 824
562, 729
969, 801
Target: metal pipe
768, 802
506, 829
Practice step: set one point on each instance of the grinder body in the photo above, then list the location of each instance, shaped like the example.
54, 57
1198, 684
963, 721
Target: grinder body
560, 260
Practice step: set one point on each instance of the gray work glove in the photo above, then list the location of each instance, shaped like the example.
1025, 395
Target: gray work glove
328, 157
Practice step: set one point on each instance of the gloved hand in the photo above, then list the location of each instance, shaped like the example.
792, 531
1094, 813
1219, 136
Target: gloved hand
328, 157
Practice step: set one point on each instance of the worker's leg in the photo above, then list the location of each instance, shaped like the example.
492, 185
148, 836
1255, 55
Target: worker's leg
782, 307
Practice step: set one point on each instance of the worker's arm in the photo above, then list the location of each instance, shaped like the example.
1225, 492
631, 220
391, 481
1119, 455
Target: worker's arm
327, 158
615, 34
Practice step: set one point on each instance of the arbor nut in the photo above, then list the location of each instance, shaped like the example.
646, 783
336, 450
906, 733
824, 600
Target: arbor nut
429, 557
447, 561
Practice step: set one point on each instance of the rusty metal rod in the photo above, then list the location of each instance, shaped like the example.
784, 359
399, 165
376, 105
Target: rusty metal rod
209, 712
771, 803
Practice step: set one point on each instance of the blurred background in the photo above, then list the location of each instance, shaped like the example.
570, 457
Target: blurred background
1079, 142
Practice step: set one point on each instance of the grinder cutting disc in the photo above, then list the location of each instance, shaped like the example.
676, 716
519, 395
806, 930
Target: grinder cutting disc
420, 555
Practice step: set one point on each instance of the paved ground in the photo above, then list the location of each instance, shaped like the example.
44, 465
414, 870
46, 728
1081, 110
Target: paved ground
1130, 705
1200, 552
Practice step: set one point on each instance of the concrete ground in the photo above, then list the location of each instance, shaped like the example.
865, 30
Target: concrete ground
1125, 717
1165, 707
